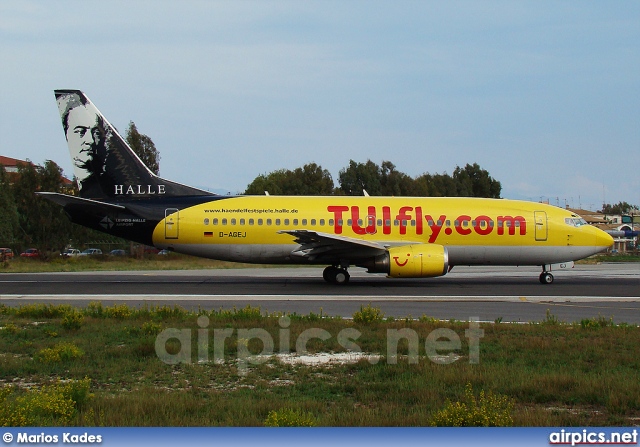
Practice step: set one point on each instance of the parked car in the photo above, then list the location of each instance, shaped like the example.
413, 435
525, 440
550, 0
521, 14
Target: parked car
30, 253
6, 253
70, 253
164, 252
91, 252
117, 252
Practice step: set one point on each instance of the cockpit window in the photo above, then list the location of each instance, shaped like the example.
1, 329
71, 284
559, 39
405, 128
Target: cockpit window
575, 221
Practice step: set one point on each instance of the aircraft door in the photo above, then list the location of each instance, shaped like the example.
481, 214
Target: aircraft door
171, 219
542, 229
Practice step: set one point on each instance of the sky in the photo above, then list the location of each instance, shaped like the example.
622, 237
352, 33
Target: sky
544, 95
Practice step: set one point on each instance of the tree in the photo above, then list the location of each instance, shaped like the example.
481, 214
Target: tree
308, 180
438, 185
358, 177
472, 181
144, 148
9, 215
42, 224
396, 183
618, 208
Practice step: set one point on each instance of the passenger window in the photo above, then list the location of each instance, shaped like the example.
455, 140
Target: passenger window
206, 221
304, 222
286, 221
268, 221
260, 221
251, 221
215, 221
277, 221
295, 221
313, 222
322, 222
224, 221
241, 221
233, 221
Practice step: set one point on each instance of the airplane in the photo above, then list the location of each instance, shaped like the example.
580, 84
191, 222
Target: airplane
402, 237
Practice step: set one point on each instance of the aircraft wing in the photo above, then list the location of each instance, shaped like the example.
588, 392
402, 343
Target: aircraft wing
315, 245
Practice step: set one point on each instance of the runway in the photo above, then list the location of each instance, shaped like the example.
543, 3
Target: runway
490, 293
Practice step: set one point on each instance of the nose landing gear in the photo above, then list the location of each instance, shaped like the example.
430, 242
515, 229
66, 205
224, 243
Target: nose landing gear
546, 277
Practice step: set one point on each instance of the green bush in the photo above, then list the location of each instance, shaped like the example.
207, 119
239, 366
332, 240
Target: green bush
488, 410
287, 417
151, 328
95, 309
61, 352
40, 310
10, 328
119, 311
72, 320
48, 406
368, 315
596, 323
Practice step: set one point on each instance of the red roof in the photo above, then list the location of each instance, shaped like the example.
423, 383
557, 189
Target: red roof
8, 161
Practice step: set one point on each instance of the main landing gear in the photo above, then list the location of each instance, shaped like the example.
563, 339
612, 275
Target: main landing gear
336, 275
545, 277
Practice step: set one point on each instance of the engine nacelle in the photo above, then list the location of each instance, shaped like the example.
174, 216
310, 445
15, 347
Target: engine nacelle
411, 261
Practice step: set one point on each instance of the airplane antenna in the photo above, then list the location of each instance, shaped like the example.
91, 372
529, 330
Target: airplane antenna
366, 194
266, 193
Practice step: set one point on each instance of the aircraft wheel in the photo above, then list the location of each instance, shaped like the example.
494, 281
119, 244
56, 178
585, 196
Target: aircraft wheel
329, 273
341, 276
546, 278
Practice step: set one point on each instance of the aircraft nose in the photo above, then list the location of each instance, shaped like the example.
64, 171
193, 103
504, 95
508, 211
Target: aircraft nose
603, 240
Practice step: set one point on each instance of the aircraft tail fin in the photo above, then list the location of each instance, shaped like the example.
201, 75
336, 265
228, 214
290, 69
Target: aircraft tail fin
104, 165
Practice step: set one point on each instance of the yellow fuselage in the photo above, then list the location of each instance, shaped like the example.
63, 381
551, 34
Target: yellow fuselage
474, 231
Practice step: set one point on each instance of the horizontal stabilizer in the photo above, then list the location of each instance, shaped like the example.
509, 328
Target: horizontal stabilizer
64, 200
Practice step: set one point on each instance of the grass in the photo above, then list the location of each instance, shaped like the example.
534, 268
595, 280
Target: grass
541, 374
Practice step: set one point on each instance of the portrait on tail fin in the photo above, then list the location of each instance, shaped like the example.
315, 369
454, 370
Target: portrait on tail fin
87, 137
104, 164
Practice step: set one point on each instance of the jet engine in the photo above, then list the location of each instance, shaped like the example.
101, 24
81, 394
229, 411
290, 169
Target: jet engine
411, 261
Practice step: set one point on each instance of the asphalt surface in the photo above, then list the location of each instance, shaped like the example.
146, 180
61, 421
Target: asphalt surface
489, 293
